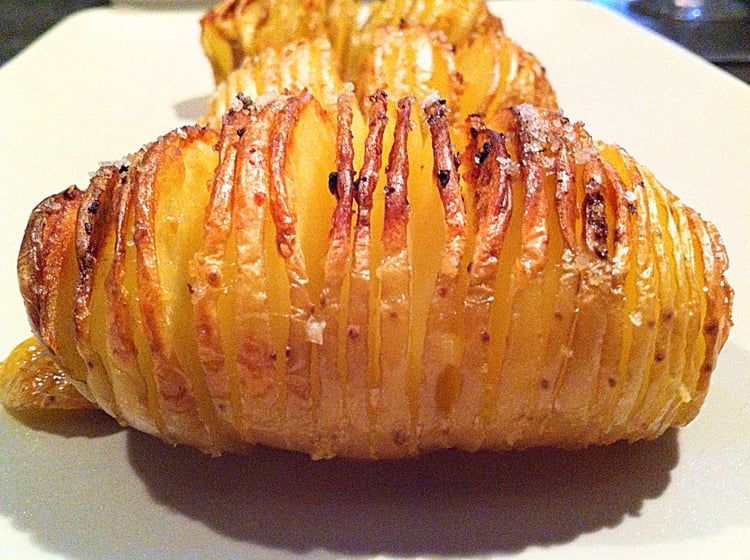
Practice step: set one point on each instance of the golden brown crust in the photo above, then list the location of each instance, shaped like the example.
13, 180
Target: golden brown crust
48, 236
91, 235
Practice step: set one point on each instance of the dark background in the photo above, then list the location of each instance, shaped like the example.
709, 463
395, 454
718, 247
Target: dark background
724, 41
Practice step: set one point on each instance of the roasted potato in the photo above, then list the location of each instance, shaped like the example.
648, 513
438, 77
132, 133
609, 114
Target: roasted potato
456, 49
379, 287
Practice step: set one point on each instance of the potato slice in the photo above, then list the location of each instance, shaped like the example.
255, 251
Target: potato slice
361, 328
393, 430
237, 29
306, 64
30, 380
407, 60
497, 73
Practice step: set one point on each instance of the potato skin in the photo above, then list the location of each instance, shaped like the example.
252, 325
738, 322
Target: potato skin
529, 316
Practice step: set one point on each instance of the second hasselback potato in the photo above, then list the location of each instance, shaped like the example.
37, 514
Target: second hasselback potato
455, 48
379, 286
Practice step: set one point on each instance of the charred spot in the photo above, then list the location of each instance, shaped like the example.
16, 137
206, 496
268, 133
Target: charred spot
651, 324
241, 132
468, 267
659, 356
353, 332
631, 208
389, 190
89, 365
544, 384
612, 381
214, 277
274, 356
558, 315
707, 367
711, 328
87, 228
399, 437
246, 101
94, 206
124, 168
484, 336
482, 154
288, 351
333, 183
595, 223
443, 176
190, 288
441, 291
393, 315
668, 314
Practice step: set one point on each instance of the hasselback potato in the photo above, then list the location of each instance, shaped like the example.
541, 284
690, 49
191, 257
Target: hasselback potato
235, 30
455, 48
379, 286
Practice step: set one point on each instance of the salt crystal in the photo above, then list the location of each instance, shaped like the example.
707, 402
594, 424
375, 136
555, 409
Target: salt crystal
431, 99
508, 165
315, 330
266, 98
636, 318
237, 103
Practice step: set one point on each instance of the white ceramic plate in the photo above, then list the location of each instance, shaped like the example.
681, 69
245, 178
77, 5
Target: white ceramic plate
105, 81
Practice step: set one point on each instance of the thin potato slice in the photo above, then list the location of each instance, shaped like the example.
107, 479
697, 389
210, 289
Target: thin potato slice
338, 415
443, 341
361, 331
307, 64
393, 428
490, 179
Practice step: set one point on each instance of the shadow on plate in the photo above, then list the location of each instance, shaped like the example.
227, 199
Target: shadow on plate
90, 423
444, 503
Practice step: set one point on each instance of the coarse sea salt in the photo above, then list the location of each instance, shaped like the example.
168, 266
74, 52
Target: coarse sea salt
431, 99
314, 330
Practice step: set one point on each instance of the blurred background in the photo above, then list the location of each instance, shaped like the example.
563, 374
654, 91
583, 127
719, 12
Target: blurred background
718, 30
